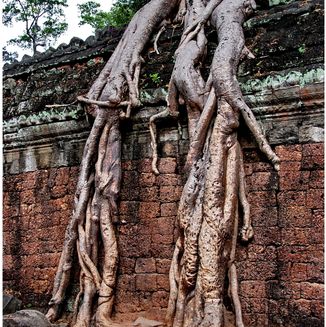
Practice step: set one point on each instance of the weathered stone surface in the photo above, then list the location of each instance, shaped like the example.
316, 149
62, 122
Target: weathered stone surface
280, 271
143, 322
10, 304
26, 318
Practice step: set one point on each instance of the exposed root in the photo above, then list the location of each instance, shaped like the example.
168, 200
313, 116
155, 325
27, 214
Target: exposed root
153, 131
233, 278
200, 131
85, 181
78, 297
174, 276
182, 10
103, 104
90, 269
208, 208
192, 30
247, 231
213, 252
256, 131
157, 37
60, 105
97, 209
227, 19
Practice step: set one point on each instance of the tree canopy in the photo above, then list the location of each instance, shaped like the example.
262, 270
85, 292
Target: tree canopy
120, 14
43, 19
8, 56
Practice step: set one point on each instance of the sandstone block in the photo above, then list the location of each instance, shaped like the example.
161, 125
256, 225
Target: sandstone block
146, 282
145, 265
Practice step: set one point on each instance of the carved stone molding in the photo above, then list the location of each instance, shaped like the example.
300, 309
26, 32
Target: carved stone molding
55, 137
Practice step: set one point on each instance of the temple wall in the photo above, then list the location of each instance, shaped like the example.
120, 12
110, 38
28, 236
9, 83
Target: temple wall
280, 271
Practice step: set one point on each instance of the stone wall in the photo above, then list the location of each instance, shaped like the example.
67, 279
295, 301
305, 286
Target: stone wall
280, 271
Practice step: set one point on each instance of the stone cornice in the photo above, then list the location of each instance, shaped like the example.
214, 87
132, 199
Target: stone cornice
276, 97
55, 137
272, 95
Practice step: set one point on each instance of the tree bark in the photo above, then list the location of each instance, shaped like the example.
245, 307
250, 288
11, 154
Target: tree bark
208, 217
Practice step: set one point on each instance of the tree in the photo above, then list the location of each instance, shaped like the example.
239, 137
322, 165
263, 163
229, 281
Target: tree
8, 56
90, 14
208, 213
120, 14
43, 21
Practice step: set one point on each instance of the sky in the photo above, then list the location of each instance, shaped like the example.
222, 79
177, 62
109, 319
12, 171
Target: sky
72, 19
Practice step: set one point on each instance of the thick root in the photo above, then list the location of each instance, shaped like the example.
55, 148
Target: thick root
208, 209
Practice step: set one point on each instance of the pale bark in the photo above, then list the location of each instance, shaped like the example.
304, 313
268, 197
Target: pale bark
208, 217
99, 183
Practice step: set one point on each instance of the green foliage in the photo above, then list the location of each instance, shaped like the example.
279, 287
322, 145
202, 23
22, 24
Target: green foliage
91, 15
302, 49
43, 21
8, 57
155, 77
120, 14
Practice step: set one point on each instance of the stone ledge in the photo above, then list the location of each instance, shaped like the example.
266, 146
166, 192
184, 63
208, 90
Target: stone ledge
289, 109
275, 95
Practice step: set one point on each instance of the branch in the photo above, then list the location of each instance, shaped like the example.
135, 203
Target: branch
102, 103
60, 105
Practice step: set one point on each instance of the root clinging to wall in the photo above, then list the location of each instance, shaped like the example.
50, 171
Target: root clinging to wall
208, 210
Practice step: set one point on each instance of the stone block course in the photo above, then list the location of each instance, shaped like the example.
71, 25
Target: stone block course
167, 165
146, 282
316, 180
127, 282
262, 198
160, 299
315, 199
295, 216
291, 198
163, 282
262, 181
312, 291
313, 162
169, 209
284, 262
170, 193
145, 265
294, 180
163, 266
290, 152
253, 289
149, 194
149, 210
280, 271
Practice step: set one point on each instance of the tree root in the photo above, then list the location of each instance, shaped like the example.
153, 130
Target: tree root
97, 192
157, 37
192, 30
215, 187
153, 131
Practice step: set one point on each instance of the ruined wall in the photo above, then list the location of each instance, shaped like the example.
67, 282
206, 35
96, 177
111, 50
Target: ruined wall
280, 271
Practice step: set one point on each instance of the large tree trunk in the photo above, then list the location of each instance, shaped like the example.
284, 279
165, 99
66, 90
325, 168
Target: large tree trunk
208, 211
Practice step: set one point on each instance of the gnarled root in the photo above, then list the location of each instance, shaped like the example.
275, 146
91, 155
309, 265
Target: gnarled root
98, 185
86, 179
153, 131
227, 19
208, 209
95, 210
